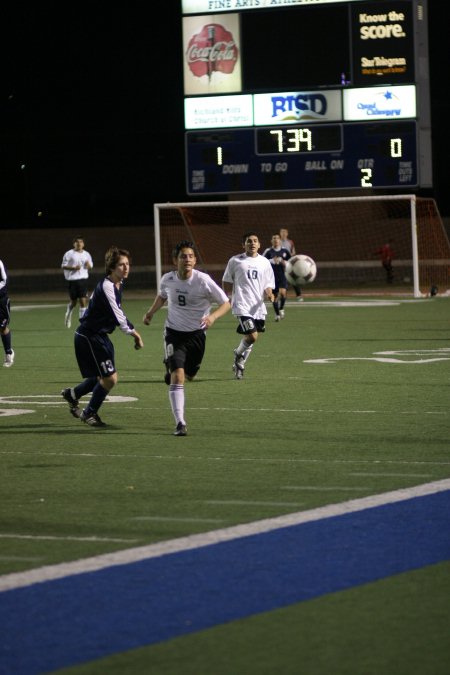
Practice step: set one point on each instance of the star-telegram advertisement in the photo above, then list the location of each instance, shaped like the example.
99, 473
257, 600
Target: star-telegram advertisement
383, 43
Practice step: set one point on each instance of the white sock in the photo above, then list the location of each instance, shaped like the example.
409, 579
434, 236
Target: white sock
82, 312
247, 353
242, 347
176, 398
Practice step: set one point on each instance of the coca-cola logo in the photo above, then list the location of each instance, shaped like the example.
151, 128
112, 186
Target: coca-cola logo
212, 49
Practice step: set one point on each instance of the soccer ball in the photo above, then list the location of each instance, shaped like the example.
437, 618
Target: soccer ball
300, 270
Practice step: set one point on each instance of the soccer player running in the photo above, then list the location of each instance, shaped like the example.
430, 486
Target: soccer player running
249, 278
76, 264
93, 348
289, 244
278, 257
5, 313
189, 294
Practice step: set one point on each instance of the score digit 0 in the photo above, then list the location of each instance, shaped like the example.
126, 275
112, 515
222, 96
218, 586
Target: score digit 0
396, 147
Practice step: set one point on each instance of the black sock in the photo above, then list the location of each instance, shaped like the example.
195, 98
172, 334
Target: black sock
6, 339
98, 396
85, 387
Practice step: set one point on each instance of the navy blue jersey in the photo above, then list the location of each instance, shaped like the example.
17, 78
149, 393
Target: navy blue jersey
276, 256
104, 312
4, 300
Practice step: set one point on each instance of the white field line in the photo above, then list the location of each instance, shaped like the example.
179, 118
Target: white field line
243, 502
27, 308
203, 458
309, 411
49, 537
131, 555
20, 558
375, 474
179, 519
323, 488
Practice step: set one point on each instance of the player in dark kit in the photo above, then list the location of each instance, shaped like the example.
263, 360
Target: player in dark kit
5, 313
93, 347
278, 257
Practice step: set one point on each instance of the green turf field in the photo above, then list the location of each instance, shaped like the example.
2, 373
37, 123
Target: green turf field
345, 398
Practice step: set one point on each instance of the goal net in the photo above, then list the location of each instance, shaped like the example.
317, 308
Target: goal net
343, 235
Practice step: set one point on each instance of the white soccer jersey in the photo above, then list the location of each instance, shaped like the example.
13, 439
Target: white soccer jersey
289, 244
250, 277
73, 258
3, 277
189, 300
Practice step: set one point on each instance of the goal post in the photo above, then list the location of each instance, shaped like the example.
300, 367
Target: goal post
343, 235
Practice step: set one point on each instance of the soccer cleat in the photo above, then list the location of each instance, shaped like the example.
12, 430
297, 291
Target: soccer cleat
238, 366
181, 430
9, 359
299, 298
92, 419
68, 319
73, 403
282, 313
278, 317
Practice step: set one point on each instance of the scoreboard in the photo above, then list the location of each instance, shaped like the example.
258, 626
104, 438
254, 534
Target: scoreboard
310, 158
305, 95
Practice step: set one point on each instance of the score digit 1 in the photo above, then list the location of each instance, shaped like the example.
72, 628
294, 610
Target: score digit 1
396, 147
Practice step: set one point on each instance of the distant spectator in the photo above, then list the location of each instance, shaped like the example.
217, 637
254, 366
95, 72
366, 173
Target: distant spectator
386, 256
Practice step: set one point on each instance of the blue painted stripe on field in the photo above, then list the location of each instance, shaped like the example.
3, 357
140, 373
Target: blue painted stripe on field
68, 621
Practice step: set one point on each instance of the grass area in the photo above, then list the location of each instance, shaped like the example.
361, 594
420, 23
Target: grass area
343, 399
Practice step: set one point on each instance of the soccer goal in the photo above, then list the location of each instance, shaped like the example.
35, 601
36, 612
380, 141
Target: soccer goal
343, 235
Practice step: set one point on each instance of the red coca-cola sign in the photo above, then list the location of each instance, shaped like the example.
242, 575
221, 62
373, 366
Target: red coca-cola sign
212, 49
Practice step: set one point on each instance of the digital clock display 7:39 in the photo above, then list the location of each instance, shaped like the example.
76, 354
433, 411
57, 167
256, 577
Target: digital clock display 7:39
314, 138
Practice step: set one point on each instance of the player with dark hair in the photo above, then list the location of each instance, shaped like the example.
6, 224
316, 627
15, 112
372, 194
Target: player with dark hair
93, 348
76, 264
278, 257
5, 313
249, 278
189, 294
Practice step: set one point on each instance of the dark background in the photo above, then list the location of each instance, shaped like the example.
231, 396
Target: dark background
91, 112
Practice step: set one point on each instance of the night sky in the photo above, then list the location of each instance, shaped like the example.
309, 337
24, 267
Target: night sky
92, 112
